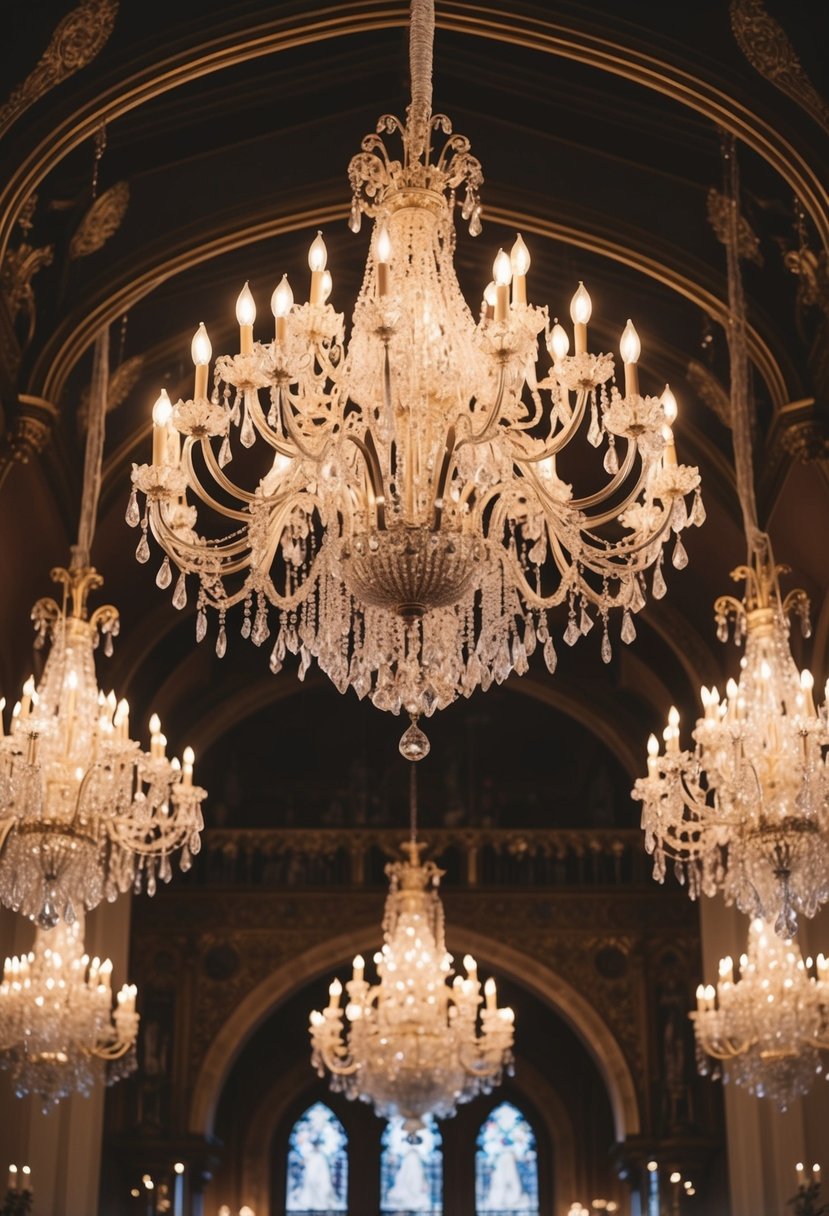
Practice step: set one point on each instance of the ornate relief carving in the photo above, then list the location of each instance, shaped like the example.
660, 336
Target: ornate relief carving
710, 390
121, 383
19, 267
102, 221
78, 38
747, 240
812, 272
806, 440
767, 48
29, 432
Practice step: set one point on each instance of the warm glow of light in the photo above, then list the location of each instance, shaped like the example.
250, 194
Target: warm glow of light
383, 246
559, 343
581, 306
317, 254
519, 256
245, 307
502, 269
669, 405
630, 348
200, 348
162, 411
282, 300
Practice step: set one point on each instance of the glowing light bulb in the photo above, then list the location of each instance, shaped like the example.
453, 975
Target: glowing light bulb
162, 410
581, 306
630, 348
317, 254
245, 306
519, 256
559, 343
502, 269
669, 405
282, 300
383, 246
200, 348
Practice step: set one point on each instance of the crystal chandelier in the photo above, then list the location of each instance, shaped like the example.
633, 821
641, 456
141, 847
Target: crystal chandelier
766, 1028
58, 1032
84, 812
413, 1045
408, 520
747, 811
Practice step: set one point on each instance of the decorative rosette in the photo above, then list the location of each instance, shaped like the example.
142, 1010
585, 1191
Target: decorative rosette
637, 418
675, 482
159, 480
583, 371
200, 419
643, 517
244, 371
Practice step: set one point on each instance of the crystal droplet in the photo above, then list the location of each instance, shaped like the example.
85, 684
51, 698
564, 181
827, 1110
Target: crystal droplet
247, 435
659, 586
69, 912
201, 625
679, 515
805, 622
679, 558
607, 651
260, 632
165, 575
585, 621
722, 629
108, 647
530, 639
225, 454
48, 915
142, 552
594, 433
275, 663
413, 743
519, 657
611, 460
572, 633
628, 632
180, 593
550, 656
221, 642
785, 925
246, 626
355, 218
475, 222
133, 515
698, 515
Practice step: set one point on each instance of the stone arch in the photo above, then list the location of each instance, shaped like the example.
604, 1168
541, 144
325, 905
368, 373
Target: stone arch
533, 975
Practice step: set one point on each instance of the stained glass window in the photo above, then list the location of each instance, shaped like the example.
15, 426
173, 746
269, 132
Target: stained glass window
506, 1166
317, 1163
411, 1171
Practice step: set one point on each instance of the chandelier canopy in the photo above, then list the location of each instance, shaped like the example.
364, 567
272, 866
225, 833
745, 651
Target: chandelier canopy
747, 810
58, 1032
84, 812
411, 1044
408, 521
767, 1027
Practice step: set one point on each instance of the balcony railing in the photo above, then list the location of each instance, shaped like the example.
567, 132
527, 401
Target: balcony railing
471, 857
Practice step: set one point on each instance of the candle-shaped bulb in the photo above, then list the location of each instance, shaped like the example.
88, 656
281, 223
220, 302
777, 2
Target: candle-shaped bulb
327, 285
490, 294
673, 717
188, 756
669, 404
630, 348
155, 724
335, 991
502, 269
162, 413
581, 306
383, 246
317, 254
653, 746
559, 343
359, 965
282, 300
245, 307
807, 680
519, 256
200, 348
470, 965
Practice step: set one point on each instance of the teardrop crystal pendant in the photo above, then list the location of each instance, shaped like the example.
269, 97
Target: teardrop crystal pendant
413, 743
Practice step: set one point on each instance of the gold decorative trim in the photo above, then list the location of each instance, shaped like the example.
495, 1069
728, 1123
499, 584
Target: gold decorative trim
361, 16
710, 391
19, 266
102, 221
748, 243
77, 39
767, 48
121, 383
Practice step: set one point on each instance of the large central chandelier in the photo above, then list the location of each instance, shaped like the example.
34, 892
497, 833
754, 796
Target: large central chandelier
408, 519
84, 812
58, 1032
747, 810
410, 1044
767, 1027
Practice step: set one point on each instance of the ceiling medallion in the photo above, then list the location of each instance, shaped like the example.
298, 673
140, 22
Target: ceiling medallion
403, 511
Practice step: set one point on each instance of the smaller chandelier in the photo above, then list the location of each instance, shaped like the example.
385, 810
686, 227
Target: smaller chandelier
84, 812
58, 1032
747, 811
767, 1027
413, 1046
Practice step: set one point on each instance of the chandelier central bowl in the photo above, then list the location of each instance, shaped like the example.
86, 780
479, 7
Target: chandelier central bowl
411, 570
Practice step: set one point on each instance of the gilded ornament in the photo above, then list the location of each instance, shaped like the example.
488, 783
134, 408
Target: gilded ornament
102, 221
767, 48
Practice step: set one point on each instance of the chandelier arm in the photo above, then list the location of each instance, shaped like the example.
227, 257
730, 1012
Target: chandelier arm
442, 477
264, 429
294, 436
207, 499
106, 1050
143, 845
338, 1066
181, 550
218, 474
572, 424
377, 494
492, 416
591, 500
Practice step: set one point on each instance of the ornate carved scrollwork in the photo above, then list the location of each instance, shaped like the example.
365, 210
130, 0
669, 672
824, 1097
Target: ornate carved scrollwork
748, 241
102, 221
78, 38
767, 48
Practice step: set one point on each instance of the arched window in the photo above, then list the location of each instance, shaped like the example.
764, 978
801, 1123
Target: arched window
411, 1171
506, 1167
317, 1163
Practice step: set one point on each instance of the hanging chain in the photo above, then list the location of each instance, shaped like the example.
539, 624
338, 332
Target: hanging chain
741, 397
93, 457
100, 145
421, 47
413, 802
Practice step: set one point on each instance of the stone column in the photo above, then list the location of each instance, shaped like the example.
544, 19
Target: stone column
763, 1143
62, 1147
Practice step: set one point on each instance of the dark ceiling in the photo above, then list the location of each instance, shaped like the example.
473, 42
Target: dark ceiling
599, 127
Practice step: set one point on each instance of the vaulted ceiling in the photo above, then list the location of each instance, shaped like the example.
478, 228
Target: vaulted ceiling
154, 159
